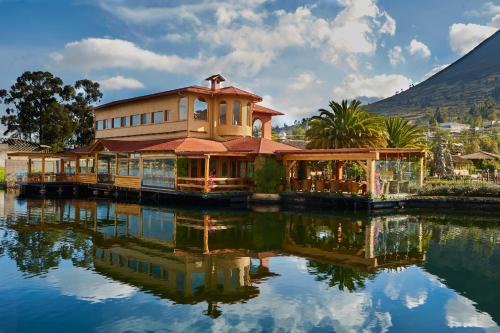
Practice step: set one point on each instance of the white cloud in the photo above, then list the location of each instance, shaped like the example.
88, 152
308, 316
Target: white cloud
396, 56
464, 37
376, 86
86, 285
120, 82
176, 37
303, 81
418, 48
495, 21
415, 301
435, 70
460, 312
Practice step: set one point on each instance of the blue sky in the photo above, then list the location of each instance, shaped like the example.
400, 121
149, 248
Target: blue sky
298, 55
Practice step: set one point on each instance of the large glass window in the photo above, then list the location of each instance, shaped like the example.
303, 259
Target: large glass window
236, 113
136, 120
145, 118
117, 122
126, 121
157, 117
200, 109
183, 108
159, 172
99, 125
222, 113
107, 123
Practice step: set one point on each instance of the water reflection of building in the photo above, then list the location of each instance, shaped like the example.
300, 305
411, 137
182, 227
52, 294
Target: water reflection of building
368, 245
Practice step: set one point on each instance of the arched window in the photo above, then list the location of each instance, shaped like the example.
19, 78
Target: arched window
183, 108
236, 113
200, 109
249, 114
257, 128
222, 113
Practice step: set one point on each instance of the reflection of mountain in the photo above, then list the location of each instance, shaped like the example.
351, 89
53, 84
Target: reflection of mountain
467, 267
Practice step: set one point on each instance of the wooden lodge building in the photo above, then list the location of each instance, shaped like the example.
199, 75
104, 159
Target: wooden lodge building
198, 140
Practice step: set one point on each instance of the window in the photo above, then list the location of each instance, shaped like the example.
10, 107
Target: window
168, 115
236, 113
145, 118
117, 122
99, 125
200, 109
126, 121
157, 117
183, 108
222, 113
136, 120
249, 114
107, 123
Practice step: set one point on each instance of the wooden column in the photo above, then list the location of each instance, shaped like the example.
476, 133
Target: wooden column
43, 170
206, 189
370, 177
421, 172
29, 167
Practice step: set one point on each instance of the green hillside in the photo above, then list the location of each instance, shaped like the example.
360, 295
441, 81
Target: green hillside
468, 82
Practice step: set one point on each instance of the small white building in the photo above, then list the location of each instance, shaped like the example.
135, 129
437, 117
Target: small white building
454, 127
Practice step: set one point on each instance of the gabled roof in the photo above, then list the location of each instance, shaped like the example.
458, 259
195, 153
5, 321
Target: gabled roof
226, 91
481, 155
19, 145
262, 109
257, 145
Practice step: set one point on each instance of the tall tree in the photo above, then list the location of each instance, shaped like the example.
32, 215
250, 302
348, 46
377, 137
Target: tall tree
402, 134
85, 94
347, 125
28, 99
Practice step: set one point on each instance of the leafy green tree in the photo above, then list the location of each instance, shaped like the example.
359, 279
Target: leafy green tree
402, 134
41, 108
56, 133
85, 94
347, 125
269, 174
28, 99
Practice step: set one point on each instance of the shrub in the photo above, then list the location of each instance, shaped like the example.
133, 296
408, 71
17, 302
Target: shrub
462, 190
269, 174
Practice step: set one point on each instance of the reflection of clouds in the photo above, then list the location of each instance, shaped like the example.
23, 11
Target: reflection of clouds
414, 301
87, 285
460, 312
297, 303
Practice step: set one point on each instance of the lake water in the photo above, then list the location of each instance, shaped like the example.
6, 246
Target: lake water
83, 266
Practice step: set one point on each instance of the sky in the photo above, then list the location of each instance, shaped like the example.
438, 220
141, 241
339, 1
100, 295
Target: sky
297, 55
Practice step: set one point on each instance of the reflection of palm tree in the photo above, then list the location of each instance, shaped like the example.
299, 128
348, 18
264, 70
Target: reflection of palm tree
338, 276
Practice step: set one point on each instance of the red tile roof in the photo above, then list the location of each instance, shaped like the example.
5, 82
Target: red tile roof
188, 146
262, 109
230, 91
257, 145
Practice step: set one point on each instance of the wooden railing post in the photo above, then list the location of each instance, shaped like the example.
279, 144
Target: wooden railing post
206, 188
370, 177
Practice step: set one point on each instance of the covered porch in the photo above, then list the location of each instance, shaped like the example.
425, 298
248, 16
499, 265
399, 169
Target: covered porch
360, 171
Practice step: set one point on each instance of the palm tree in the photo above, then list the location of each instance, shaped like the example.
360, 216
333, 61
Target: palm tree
347, 125
402, 134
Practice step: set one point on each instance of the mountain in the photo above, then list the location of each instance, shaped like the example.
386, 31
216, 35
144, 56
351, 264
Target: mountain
455, 89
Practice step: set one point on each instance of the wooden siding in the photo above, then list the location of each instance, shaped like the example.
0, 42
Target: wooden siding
128, 182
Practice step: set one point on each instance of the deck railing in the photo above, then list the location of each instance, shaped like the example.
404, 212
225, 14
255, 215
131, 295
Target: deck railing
213, 184
48, 178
